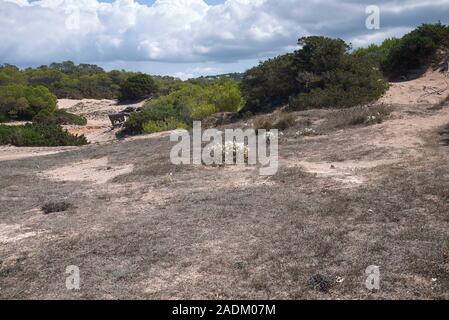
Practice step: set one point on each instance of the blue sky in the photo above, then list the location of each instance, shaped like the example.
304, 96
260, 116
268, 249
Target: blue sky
188, 38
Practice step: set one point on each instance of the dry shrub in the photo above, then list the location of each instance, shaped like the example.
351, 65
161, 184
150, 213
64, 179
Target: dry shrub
357, 116
58, 206
319, 282
280, 121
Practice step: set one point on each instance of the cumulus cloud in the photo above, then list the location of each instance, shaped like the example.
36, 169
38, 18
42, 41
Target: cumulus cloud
191, 31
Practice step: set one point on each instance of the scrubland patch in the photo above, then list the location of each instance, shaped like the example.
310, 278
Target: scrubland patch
363, 115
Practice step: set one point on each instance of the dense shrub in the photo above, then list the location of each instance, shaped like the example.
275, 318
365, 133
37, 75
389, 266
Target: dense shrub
322, 74
38, 135
137, 87
269, 84
377, 54
416, 49
190, 102
21, 102
10, 74
61, 117
354, 82
318, 55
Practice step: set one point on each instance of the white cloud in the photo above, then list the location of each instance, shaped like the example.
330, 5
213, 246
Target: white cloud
190, 31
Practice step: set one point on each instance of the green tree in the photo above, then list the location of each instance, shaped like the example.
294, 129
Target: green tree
415, 50
136, 87
24, 102
269, 84
320, 54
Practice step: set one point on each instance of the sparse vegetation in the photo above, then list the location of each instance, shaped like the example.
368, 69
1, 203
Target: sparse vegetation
280, 121
358, 116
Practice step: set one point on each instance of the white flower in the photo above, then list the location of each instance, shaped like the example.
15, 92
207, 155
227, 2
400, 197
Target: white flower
268, 135
230, 149
306, 132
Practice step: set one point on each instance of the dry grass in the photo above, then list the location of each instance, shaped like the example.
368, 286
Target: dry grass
199, 232
358, 116
278, 120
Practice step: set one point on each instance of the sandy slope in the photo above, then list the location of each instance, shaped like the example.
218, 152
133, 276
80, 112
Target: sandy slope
428, 89
98, 128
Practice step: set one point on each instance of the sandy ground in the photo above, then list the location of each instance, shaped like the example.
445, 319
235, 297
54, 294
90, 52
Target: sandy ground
141, 227
429, 89
98, 128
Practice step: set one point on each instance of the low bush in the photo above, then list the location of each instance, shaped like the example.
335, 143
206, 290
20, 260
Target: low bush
154, 126
158, 112
190, 102
358, 116
280, 121
39, 135
60, 117
60, 206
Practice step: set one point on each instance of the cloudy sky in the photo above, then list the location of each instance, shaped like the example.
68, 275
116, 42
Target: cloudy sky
188, 38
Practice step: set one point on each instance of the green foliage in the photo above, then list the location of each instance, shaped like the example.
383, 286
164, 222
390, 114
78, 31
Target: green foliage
190, 102
61, 117
157, 110
137, 87
377, 55
225, 96
154, 126
322, 74
38, 135
167, 85
269, 84
67, 80
10, 74
320, 54
20, 102
354, 82
415, 49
